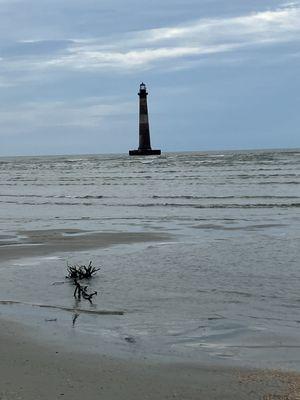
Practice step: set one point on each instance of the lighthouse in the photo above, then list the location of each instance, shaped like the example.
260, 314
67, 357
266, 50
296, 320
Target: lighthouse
144, 131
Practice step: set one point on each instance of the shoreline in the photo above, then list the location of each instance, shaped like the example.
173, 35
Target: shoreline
34, 366
29, 370
34, 291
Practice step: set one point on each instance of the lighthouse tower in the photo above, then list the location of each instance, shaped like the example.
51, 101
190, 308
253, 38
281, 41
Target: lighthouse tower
144, 131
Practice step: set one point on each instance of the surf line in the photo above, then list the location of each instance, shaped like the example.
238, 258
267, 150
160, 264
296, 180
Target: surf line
69, 309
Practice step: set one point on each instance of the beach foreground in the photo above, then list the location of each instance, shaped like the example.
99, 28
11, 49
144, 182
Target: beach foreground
30, 371
198, 287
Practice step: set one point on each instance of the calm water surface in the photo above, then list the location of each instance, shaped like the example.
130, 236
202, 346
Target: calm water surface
225, 287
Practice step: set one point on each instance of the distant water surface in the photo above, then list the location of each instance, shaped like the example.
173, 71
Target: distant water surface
227, 286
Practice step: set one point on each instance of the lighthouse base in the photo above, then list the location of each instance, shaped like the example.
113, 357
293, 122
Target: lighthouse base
144, 152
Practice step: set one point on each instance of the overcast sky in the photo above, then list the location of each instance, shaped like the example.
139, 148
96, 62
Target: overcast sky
220, 74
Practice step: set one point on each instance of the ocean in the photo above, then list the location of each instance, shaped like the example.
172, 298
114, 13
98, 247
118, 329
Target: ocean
220, 285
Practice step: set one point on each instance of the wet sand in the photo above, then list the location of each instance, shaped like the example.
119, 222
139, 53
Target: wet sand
30, 371
45, 242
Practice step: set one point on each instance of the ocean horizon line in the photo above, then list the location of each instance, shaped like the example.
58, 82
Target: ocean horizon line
237, 150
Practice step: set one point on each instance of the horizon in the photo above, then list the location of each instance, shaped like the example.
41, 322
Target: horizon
276, 149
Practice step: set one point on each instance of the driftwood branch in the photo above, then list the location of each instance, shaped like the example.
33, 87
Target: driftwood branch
81, 291
80, 272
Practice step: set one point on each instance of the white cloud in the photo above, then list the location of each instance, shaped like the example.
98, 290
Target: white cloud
268, 23
144, 49
89, 59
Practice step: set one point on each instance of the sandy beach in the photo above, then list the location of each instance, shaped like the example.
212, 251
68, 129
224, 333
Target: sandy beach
43, 242
30, 371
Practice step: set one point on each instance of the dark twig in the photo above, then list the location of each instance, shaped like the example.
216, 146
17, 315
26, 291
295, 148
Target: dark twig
82, 291
81, 271
75, 316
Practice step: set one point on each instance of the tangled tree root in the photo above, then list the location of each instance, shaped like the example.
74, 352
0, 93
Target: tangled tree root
81, 271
